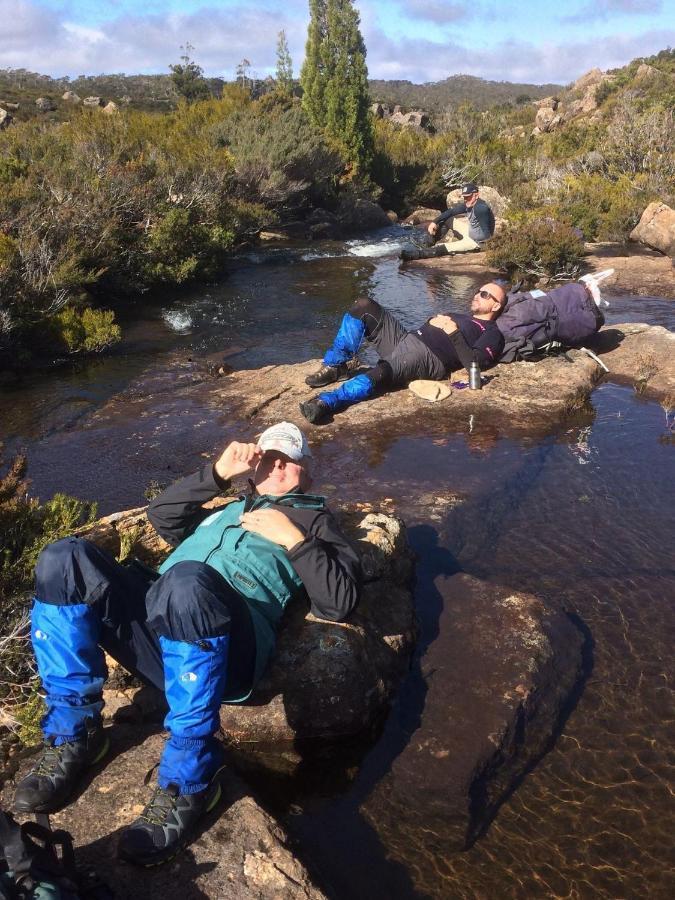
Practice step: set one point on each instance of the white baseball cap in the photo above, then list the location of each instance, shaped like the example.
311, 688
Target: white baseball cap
286, 438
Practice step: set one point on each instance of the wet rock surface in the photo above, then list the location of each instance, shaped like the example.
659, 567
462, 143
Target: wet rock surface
509, 668
239, 852
639, 354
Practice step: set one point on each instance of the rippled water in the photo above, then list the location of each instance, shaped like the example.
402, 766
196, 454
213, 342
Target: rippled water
585, 514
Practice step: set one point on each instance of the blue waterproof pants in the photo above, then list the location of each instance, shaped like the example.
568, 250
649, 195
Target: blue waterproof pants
187, 632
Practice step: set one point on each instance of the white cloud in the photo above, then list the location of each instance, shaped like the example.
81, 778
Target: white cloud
609, 9
519, 61
53, 43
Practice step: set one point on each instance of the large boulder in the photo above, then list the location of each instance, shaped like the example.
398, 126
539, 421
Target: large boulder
71, 97
492, 197
93, 101
582, 106
327, 681
547, 119
359, 214
415, 119
240, 852
421, 216
110, 109
547, 103
5, 118
500, 677
45, 104
656, 228
591, 78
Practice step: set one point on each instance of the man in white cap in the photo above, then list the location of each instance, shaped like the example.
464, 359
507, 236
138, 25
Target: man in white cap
201, 629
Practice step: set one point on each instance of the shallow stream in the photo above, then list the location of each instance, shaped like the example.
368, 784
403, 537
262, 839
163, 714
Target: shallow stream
585, 514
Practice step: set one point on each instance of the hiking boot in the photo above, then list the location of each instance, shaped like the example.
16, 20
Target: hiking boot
57, 772
329, 375
315, 411
416, 252
166, 824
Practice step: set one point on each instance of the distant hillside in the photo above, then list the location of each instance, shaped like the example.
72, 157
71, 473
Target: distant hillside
437, 96
156, 91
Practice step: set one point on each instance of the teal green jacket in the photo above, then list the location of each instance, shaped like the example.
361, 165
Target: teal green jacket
324, 567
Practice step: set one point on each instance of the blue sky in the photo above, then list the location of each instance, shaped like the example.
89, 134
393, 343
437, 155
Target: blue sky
418, 40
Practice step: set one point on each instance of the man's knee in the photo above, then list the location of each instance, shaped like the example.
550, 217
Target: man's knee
189, 602
68, 571
363, 307
382, 376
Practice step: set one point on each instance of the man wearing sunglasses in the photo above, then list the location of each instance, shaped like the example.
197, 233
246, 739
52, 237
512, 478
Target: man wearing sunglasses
476, 227
443, 344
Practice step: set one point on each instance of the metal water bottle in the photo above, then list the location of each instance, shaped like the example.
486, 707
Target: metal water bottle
475, 383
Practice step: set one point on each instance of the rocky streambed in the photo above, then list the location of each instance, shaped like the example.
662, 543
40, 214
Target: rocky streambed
508, 485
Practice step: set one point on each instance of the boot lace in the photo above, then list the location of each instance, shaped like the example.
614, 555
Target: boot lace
51, 760
160, 805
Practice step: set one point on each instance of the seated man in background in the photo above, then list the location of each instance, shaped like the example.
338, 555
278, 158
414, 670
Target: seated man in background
478, 225
201, 630
444, 343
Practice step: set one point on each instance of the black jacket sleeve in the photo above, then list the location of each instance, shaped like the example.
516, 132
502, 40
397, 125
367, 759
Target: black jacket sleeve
485, 351
330, 569
177, 511
457, 210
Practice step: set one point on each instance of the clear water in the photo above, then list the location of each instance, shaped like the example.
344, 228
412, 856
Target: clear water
585, 514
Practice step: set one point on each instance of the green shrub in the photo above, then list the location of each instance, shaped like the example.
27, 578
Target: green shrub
88, 330
538, 249
279, 157
605, 209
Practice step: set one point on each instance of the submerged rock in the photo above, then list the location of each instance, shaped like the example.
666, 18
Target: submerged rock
241, 851
500, 681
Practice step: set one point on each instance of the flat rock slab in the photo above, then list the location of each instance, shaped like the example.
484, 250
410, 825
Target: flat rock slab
637, 270
519, 396
241, 851
499, 683
639, 354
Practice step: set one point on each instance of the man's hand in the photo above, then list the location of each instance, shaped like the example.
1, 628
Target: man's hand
445, 323
236, 459
432, 228
273, 525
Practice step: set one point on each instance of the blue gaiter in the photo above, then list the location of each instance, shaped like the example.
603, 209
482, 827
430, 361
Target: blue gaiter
195, 676
347, 341
71, 666
353, 391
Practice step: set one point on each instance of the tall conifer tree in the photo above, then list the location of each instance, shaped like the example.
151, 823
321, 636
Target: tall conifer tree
313, 74
284, 65
335, 78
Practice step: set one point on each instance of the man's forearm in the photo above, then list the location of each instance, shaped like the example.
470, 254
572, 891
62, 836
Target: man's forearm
177, 511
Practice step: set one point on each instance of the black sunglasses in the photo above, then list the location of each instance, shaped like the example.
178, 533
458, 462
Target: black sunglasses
486, 295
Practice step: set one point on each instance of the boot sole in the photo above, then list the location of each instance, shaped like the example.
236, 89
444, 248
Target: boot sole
158, 859
55, 806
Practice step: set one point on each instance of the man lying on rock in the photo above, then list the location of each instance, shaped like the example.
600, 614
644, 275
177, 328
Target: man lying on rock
443, 344
201, 630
